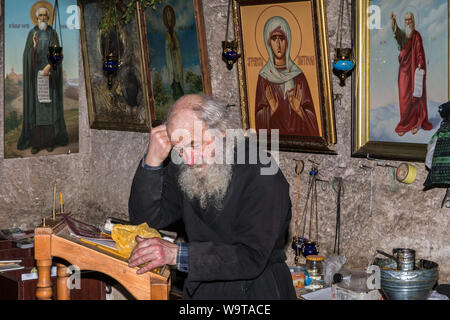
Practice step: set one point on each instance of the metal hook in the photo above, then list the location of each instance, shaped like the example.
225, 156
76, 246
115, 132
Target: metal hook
340, 182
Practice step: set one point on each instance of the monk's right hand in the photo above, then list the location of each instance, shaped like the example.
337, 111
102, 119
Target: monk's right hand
159, 147
394, 19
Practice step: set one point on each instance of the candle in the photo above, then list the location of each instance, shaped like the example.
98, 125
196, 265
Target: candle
61, 207
54, 201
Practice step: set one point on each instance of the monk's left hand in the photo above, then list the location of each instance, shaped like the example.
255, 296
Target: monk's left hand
153, 252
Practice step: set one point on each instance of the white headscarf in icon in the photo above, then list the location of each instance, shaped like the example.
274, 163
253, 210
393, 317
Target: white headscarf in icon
269, 71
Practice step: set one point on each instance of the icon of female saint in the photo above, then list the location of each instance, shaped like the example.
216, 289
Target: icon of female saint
283, 98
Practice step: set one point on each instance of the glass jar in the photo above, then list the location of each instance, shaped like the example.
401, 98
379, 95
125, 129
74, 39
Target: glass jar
314, 267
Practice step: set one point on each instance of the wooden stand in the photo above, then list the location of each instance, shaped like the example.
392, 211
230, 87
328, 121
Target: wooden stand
47, 244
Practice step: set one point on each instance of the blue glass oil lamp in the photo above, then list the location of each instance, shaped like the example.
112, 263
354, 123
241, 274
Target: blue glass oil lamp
303, 247
54, 53
229, 53
229, 48
110, 66
343, 64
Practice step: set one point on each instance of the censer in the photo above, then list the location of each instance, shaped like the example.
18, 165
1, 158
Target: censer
55, 55
111, 61
343, 62
229, 48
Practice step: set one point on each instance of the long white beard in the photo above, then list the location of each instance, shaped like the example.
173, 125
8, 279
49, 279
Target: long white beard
408, 31
43, 25
208, 184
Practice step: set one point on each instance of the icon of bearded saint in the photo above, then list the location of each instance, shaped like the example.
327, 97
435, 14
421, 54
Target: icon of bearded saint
43, 124
413, 110
283, 99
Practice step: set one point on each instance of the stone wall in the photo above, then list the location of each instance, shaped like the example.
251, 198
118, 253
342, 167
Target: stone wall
96, 181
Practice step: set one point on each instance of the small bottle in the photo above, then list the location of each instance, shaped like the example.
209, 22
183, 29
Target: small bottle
314, 267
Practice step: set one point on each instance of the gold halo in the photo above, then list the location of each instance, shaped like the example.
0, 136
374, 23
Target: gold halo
416, 14
41, 4
287, 15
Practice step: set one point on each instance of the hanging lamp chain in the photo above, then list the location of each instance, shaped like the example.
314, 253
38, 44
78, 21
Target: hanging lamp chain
341, 21
228, 19
56, 12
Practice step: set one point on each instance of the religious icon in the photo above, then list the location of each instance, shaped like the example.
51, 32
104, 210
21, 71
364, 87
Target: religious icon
412, 60
284, 73
176, 48
40, 95
402, 77
283, 97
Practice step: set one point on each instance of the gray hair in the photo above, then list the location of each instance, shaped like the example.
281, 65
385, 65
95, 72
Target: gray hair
37, 12
213, 113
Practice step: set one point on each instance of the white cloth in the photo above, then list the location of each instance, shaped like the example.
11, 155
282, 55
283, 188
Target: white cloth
437, 296
269, 71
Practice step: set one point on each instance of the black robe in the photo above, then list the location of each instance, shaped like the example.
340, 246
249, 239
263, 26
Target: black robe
43, 123
237, 253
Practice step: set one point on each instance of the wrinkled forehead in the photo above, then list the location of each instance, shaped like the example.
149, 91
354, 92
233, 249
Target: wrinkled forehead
184, 128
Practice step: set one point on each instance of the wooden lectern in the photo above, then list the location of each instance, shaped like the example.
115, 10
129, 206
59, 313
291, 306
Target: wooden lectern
49, 244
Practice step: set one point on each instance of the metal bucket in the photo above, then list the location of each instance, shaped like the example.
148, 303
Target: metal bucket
406, 259
408, 285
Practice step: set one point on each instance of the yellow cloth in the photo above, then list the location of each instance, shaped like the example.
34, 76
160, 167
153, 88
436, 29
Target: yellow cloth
125, 236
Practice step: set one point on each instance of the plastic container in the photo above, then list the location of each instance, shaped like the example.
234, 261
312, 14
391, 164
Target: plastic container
355, 280
314, 267
300, 277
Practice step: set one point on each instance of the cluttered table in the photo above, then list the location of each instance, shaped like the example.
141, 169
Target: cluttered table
50, 242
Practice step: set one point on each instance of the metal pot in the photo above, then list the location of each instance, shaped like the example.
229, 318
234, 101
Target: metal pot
408, 285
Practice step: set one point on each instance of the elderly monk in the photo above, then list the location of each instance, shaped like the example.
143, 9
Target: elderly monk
236, 218
413, 110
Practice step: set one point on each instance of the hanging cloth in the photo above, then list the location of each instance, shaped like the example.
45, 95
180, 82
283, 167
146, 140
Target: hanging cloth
439, 175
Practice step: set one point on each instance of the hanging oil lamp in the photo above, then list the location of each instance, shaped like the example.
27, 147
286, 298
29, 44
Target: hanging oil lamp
110, 66
55, 55
111, 61
306, 246
343, 62
229, 48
